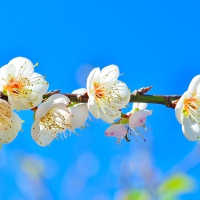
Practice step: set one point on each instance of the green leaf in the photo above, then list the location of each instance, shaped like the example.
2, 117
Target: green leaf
175, 185
137, 195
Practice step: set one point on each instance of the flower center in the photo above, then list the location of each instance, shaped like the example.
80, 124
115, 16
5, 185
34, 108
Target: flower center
192, 108
98, 90
55, 121
13, 87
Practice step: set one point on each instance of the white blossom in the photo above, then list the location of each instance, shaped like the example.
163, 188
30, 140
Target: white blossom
187, 110
21, 84
107, 95
10, 123
53, 117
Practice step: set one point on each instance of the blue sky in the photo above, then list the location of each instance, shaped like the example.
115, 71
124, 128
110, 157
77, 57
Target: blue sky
154, 43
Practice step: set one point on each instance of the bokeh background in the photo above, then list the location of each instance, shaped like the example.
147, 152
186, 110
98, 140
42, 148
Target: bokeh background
154, 43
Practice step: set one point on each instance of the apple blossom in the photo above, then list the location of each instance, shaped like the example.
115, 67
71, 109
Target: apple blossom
10, 123
107, 95
187, 110
54, 116
21, 84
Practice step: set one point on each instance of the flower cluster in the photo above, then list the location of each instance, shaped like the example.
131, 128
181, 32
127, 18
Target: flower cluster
130, 123
55, 116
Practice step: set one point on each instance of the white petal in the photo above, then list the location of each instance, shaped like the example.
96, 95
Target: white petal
93, 74
140, 106
59, 98
80, 92
93, 107
80, 115
40, 136
43, 109
27, 69
109, 74
193, 84
179, 107
123, 92
10, 134
3, 77
11, 71
188, 130
38, 83
65, 112
139, 118
24, 104
35, 130
109, 115
116, 130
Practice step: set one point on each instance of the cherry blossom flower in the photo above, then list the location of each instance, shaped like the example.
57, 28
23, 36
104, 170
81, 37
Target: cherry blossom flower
10, 123
187, 110
21, 84
138, 115
107, 95
131, 122
53, 117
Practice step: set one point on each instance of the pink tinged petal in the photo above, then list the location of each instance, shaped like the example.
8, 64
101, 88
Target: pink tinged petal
91, 78
80, 92
59, 98
139, 118
27, 69
190, 129
194, 84
179, 107
109, 74
79, 115
65, 112
93, 107
10, 134
116, 130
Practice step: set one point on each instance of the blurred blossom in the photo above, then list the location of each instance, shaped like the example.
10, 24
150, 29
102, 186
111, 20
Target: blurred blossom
72, 184
33, 169
102, 196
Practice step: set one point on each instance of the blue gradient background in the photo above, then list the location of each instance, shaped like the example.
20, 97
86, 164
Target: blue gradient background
154, 43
